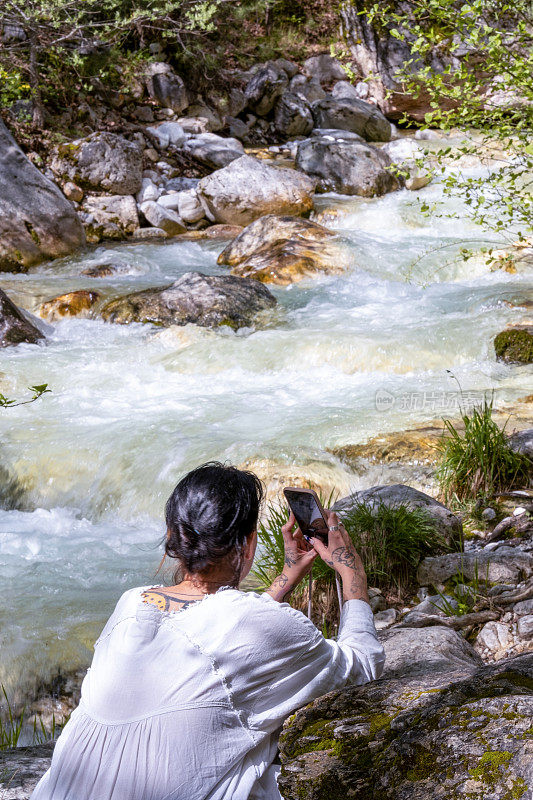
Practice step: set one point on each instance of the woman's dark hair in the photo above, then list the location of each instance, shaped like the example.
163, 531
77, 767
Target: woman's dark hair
210, 513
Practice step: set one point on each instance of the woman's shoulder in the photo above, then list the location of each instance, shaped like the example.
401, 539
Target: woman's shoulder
260, 612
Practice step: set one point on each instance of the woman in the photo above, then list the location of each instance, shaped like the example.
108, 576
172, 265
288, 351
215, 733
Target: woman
190, 683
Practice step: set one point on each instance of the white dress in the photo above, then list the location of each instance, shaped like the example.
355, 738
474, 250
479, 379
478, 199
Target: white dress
187, 705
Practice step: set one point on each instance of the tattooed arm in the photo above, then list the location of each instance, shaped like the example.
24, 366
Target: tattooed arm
342, 556
299, 557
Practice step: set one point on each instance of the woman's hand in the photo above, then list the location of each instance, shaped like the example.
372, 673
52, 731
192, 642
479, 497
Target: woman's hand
342, 556
299, 557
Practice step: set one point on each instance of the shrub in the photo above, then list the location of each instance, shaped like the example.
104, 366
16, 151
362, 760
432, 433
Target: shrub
478, 463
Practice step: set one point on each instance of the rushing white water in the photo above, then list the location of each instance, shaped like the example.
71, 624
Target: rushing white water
132, 408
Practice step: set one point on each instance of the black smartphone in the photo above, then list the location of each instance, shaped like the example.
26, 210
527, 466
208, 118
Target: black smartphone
308, 512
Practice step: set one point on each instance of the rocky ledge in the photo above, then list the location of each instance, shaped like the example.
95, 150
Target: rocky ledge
438, 724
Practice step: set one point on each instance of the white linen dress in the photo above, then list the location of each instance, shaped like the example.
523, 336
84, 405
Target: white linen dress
188, 704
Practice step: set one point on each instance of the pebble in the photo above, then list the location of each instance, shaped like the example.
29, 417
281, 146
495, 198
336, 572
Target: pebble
488, 514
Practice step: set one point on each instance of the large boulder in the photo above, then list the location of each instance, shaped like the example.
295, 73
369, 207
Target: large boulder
36, 221
265, 87
504, 565
438, 724
446, 523
352, 115
342, 162
515, 344
109, 217
15, 327
214, 151
293, 116
103, 162
248, 188
206, 300
282, 250
166, 87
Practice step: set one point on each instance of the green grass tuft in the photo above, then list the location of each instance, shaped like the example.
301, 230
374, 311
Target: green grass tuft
478, 463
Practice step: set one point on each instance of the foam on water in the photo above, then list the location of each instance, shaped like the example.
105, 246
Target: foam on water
134, 407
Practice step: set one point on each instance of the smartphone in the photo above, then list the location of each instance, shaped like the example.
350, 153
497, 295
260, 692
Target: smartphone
308, 512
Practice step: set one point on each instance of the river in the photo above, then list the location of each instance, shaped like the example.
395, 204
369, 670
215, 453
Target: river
342, 358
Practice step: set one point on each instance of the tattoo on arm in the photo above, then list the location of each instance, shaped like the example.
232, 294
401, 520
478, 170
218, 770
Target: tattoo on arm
290, 558
344, 556
278, 589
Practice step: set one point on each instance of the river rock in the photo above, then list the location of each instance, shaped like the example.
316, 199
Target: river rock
293, 116
169, 133
102, 162
214, 151
405, 152
190, 208
206, 300
265, 87
342, 162
108, 270
109, 217
15, 327
446, 523
324, 69
522, 442
344, 90
352, 115
165, 86
446, 727
164, 218
504, 565
72, 304
308, 88
248, 188
282, 250
515, 344
525, 627
148, 191
36, 220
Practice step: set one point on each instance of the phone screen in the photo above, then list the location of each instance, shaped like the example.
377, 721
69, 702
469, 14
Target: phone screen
308, 514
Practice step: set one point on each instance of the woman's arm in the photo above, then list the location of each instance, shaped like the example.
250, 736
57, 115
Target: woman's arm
342, 556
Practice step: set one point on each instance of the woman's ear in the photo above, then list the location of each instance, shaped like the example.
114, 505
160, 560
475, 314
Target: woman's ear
249, 546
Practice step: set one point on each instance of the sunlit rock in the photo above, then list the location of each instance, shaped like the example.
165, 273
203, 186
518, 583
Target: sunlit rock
283, 250
248, 188
72, 304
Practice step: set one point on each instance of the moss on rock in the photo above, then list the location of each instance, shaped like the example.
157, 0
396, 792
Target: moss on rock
515, 344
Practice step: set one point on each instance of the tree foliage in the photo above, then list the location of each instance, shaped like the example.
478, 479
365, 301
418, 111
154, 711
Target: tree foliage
48, 45
474, 60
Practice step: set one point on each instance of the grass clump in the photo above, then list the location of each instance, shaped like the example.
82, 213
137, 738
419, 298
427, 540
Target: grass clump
14, 725
478, 462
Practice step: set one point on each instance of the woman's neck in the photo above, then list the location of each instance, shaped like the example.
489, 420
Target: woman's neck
204, 584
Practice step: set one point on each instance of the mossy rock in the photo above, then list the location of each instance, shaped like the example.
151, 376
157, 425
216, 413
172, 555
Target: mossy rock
450, 732
515, 345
